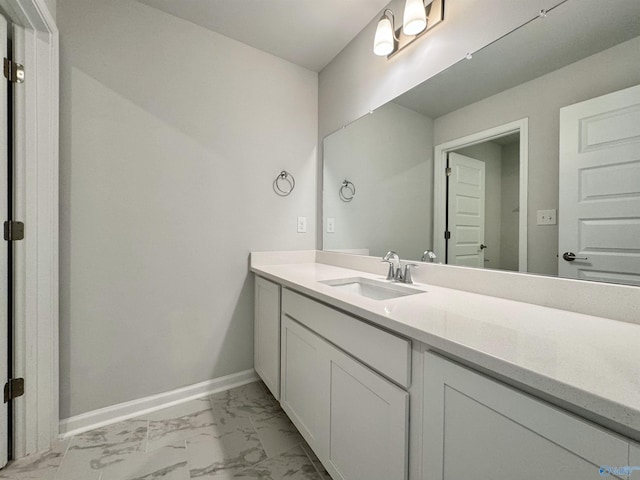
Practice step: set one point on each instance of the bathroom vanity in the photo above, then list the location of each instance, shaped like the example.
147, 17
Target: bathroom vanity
439, 383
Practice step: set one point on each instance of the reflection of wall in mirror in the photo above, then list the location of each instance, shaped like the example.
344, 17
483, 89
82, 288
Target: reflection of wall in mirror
389, 157
540, 100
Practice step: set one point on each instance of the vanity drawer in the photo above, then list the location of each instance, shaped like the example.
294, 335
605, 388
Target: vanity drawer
385, 352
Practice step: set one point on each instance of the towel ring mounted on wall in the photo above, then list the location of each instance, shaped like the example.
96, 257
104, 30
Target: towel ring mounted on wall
347, 191
284, 184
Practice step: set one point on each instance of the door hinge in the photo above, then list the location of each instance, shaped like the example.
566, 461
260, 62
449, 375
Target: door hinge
14, 72
14, 388
447, 171
13, 230
447, 235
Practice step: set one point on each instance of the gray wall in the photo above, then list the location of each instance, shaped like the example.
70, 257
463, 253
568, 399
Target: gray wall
171, 136
540, 100
389, 157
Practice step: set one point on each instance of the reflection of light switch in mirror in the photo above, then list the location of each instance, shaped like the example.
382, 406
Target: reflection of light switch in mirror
547, 217
331, 225
302, 224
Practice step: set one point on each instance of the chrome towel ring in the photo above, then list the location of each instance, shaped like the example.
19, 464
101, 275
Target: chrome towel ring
347, 191
284, 184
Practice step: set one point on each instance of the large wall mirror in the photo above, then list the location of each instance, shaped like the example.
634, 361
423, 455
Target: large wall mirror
524, 156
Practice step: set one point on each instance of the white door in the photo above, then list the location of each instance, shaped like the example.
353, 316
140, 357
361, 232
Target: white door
466, 211
4, 287
599, 207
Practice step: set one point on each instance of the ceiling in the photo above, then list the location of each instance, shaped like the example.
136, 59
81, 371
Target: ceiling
309, 33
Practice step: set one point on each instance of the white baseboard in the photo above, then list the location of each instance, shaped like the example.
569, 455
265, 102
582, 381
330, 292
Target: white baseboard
123, 411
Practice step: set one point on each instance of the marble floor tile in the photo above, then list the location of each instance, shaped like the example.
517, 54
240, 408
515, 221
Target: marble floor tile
95, 450
324, 475
242, 402
165, 463
293, 464
39, 466
220, 457
241, 433
276, 432
200, 422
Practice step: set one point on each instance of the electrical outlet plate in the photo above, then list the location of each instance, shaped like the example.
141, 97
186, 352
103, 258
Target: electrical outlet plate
331, 225
547, 217
302, 224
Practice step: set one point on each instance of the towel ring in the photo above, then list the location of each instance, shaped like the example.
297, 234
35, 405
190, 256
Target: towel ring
347, 191
284, 184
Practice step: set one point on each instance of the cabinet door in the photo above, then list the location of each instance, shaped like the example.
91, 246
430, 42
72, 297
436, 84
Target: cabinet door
634, 456
267, 334
369, 423
305, 383
475, 427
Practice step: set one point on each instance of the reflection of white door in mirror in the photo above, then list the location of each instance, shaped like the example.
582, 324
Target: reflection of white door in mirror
599, 209
466, 201
504, 151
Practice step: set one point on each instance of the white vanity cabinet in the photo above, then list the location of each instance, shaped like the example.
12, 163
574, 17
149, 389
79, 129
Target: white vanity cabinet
355, 420
267, 334
476, 427
634, 455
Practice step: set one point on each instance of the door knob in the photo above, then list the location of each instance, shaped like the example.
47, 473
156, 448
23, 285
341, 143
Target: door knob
570, 257
482, 246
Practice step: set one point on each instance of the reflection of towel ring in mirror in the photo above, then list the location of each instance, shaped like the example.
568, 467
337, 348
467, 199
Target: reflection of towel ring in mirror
347, 191
284, 184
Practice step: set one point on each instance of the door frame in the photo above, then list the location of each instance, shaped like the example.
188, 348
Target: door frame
35, 45
440, 182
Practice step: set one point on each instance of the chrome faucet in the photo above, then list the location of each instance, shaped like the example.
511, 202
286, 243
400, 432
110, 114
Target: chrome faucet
393, 259
395, 273
428, 254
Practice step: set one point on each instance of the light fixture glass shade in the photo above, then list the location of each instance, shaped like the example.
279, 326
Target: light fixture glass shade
415, 17
384, 43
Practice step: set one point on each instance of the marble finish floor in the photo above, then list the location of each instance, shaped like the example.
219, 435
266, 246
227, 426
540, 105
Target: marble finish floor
237, 434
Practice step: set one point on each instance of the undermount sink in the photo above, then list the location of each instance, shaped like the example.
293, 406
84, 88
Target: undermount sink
375, 289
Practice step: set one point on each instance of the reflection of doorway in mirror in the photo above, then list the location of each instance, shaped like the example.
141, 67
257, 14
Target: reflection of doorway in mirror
483, 225
496, 243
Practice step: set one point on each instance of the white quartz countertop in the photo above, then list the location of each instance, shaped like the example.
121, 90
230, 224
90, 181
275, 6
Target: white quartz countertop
589, 362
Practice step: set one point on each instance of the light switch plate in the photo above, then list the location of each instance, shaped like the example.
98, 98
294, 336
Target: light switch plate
547, 217
302, 224
331, 225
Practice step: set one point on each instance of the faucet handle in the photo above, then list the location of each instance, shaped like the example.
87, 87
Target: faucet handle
428, 254
391, 272
393, 259
406, 278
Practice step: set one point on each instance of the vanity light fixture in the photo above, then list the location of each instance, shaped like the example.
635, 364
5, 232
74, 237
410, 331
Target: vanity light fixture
419, 17
414, 20
385, 40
